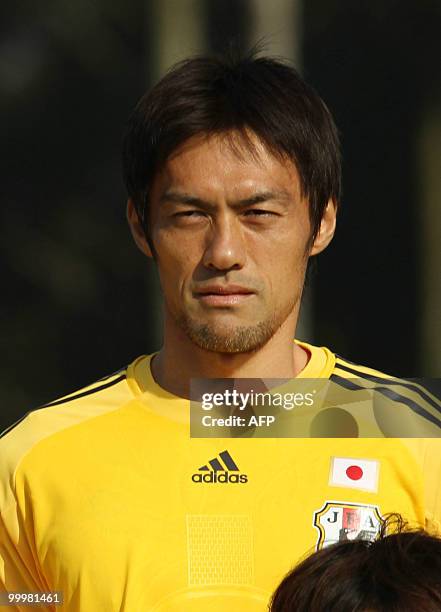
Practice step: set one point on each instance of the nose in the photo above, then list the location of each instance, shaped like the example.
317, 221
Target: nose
225, 248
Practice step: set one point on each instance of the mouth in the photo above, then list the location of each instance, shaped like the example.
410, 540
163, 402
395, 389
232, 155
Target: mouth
223, 295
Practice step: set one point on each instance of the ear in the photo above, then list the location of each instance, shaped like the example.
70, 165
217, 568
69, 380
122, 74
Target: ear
327, 229
137, 229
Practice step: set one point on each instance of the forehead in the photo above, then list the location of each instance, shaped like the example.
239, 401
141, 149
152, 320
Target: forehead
231, 163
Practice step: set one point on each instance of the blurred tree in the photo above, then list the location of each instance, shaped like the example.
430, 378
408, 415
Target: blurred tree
75, 301
377, 66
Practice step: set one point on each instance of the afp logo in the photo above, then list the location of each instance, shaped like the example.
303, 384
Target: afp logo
222, 469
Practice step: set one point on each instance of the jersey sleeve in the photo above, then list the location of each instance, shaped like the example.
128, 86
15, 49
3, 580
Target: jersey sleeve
427, 454
19, 571
19, 566
432, 484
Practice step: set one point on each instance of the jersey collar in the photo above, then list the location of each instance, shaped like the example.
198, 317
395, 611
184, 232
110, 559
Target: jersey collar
146, 389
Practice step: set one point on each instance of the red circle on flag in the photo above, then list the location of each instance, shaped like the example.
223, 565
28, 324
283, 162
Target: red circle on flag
354, 472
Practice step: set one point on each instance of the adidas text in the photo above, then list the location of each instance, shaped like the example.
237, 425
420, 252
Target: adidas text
221, 477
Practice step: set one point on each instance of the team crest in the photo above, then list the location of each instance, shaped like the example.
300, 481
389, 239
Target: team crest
340, 521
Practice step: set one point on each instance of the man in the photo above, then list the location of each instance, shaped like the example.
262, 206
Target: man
233, 174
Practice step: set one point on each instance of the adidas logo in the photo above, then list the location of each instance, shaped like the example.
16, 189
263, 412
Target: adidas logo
217, 471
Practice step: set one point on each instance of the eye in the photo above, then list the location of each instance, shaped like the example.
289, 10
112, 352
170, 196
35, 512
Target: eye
259, 212
189, 213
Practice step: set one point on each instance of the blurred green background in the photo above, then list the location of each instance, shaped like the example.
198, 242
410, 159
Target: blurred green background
79, 301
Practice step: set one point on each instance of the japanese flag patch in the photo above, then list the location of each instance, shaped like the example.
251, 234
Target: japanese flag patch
354, 473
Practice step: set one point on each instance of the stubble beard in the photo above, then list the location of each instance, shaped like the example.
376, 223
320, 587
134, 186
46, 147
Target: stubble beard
233, 339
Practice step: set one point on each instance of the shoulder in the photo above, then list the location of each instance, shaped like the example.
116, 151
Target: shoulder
348, 369
418, 404
18, 440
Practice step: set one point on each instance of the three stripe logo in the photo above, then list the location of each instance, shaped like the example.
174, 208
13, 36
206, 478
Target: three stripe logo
221, 469
216, 465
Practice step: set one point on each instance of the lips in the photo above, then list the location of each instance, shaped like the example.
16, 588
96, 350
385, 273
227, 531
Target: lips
223, 295
223, 290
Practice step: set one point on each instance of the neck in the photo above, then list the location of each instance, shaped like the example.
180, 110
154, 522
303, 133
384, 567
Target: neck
180, 359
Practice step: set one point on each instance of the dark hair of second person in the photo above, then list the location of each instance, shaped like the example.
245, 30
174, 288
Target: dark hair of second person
400, 572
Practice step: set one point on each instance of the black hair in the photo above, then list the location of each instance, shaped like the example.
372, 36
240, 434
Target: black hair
399, 572
235, 94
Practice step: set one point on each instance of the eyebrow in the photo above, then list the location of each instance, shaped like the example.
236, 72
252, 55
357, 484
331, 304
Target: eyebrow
257, 198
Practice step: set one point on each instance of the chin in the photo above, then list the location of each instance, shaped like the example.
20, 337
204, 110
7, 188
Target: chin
228, 339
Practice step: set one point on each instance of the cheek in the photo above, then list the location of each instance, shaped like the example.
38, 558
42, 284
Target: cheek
284, 267
176, 259
284, 257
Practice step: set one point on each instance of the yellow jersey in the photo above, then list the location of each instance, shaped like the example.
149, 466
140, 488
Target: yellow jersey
106, 499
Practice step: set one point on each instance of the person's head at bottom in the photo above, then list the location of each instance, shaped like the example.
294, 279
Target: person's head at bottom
400, 572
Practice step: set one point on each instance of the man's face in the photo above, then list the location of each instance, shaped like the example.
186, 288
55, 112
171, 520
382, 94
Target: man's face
231, 234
